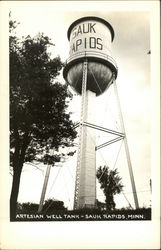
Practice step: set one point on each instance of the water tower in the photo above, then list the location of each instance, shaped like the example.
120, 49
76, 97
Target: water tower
90, 70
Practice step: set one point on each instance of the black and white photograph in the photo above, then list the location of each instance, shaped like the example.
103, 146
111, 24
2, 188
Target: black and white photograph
81, 95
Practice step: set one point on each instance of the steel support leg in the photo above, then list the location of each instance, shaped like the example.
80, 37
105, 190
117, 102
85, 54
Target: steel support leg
126, 148
44, 188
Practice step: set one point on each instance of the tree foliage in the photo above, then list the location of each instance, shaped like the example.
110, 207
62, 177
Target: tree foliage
27, 208
110, 184
39, 121
50, 206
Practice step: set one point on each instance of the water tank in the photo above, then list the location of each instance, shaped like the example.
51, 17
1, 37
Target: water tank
90, 39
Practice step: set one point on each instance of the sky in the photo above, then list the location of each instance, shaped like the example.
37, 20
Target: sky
130, 50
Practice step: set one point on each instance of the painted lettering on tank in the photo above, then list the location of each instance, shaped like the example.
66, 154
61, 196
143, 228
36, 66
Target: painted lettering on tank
83, 28
87, 43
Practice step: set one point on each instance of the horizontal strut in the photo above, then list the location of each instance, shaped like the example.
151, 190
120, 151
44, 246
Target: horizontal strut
103, 129
109, 142
76, 125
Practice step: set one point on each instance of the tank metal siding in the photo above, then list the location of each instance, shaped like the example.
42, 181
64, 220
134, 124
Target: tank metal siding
98, 77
